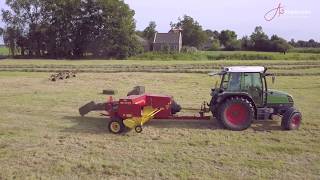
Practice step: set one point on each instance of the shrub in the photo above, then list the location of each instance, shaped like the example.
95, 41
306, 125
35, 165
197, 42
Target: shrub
189, 49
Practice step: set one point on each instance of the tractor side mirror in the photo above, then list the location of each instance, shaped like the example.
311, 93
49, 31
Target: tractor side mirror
272, 76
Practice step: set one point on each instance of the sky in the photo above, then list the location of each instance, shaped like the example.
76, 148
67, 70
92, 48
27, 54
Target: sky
296, 19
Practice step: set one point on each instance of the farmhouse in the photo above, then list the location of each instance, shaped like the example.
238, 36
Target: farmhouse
171, 41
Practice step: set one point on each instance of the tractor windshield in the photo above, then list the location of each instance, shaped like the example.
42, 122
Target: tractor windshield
231, 81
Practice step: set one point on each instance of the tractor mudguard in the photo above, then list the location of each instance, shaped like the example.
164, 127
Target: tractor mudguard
220, 98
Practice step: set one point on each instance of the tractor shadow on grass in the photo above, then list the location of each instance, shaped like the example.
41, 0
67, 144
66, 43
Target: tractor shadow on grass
99, 125
266, 125
185, 124
96, 125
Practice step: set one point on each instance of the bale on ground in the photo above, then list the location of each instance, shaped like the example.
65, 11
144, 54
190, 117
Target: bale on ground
108, 91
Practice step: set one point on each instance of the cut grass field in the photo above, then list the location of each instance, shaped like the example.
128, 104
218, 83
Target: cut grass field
43, 136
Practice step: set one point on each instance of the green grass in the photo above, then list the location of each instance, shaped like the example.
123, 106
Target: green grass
294, 54
43, 136
4, 51
306, 50
228, 55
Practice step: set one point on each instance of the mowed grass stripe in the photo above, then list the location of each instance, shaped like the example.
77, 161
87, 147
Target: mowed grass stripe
283, 68
314, 72
304, 65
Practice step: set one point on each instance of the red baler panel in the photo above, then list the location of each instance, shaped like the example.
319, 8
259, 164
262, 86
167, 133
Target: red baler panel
159, 101
128, 110
132, 105
141, 100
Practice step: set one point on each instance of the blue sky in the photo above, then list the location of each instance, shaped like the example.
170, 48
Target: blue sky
299, 21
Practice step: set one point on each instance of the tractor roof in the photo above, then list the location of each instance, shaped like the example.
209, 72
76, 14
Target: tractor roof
259, 69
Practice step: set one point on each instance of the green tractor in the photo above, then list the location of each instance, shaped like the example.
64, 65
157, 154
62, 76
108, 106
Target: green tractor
243, 96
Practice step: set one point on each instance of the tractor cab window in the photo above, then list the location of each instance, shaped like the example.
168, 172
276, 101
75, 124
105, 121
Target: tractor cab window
231, 81
253, 85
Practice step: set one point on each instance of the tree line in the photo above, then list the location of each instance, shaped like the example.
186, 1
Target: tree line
194, 36
69, 28
305, 44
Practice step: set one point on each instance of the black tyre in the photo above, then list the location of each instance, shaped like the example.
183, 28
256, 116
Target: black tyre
291, 119
175, 107
215, 110
116, 126
236, 114
138, 129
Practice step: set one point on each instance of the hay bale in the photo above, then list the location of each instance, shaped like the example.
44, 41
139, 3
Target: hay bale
108, 91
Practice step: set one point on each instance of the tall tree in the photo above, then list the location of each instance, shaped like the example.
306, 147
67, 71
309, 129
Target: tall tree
227, 36
279, 44
246, 43
150, 31
70, 28
258, 34
192, 32
260, 40
1, 31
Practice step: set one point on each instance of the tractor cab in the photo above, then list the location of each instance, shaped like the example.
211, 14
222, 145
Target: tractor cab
250, 80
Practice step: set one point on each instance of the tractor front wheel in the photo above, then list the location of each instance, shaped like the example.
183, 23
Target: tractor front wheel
116, 126
236, 114
291, 119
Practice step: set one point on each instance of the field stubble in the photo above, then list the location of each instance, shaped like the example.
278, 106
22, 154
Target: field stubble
42, 135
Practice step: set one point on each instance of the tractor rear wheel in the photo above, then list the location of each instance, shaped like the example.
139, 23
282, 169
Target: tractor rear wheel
291, 119
236, 114
116, 126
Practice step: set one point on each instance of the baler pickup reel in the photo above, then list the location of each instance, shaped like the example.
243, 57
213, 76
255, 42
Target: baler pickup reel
136, 123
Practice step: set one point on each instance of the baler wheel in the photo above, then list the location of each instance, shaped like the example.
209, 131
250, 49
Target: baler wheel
138, 129
116, 126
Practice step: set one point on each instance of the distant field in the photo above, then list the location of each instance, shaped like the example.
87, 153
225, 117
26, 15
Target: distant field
42, 135
280, 67
228, 55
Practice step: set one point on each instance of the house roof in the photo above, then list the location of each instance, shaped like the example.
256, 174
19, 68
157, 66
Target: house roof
167, 38
141, 39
